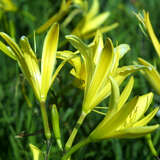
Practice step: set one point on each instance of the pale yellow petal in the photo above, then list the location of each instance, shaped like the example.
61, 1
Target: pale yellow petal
122, 49
87, 56
115, 95
125, 93
32, 65
140, 108
151, 75
48, 59
95, 22
93, 10
134, 132
146, 119
99, 76
35, 151
7, 50
111, 122
151, 33
15, 48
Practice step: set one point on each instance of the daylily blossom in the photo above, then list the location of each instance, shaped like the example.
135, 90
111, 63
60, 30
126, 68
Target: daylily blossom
42, 80
98, 62
92, 21
125, 120
152, 75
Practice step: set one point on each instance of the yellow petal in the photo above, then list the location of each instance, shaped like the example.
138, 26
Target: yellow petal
115, 94
108, 28
86, 54
122, 74
56, 17
151, 33
104, 29
111, 122
146, 119
151, 75
12, 44
97, 47
125, 93
7, 50
122, 49
140, 108
134, 132
95, 22
93, 10
36, 152
100, 75
32, 65
49, 59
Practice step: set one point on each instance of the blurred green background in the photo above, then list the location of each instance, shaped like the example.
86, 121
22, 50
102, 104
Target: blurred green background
19, 117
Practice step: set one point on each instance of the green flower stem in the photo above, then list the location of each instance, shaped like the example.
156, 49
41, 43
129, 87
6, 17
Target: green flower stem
74, 132
75, 148
151, 146
45, 120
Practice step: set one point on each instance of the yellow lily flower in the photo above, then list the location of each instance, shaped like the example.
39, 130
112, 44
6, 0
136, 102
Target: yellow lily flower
92, 21
125, 120
39, 80
7, 5
144, 19
98, 62
122, 120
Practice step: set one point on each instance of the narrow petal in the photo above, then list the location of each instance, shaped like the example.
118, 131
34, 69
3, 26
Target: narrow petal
100, 75
94, 9
122, 49
115, 94
122, 74
125, 93
151, 33
134, 132
36, 152
146, 119
151, 75
56, 17
7, 50
49, 59
12, 44
113, 121
140, 108
87, 56
32, 65
98, 46
95, 22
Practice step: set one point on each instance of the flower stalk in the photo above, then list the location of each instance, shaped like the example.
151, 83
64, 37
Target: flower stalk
75, 148
45, 120
74, 132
